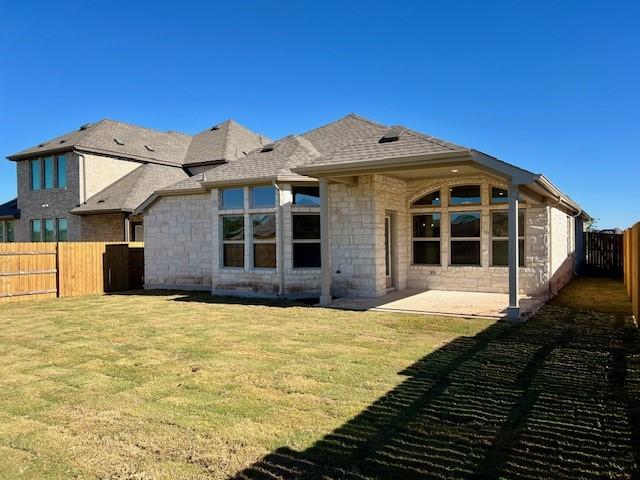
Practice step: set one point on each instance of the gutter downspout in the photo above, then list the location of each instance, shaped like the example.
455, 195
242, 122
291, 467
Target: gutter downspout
281, 241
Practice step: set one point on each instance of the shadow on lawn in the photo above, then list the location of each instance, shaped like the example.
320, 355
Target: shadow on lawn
206, 297
554, 398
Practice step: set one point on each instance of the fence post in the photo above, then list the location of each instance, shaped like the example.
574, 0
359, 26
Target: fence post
57, 269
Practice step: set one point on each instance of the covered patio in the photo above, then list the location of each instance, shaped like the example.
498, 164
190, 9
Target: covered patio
412, 171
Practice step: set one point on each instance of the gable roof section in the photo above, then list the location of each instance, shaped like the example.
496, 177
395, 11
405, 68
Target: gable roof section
342, 132
128, 193
223, 143
271, 165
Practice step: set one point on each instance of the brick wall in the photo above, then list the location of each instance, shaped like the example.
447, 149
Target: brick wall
54, 203
102, 228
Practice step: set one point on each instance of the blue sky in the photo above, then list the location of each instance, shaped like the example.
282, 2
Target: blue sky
549, 86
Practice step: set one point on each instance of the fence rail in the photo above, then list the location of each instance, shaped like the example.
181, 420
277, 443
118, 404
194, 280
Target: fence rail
632, 266
31, 271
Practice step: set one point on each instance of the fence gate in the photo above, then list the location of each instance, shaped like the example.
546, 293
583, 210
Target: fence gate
604, 254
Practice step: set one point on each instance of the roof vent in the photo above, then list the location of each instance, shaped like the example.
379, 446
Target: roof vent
268, 148
85, 126
63, 141
42, 145
215, 127
118, 141
392, 135
149, 148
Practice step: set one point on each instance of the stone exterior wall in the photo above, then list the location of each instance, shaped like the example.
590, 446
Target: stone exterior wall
103, 228
178, 243
176, 254
354, 239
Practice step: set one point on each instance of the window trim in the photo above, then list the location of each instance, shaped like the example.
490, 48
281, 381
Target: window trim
425, 239
464, 239
305, 240
492, 238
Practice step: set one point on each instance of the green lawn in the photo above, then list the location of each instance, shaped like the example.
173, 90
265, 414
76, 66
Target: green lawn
179, 386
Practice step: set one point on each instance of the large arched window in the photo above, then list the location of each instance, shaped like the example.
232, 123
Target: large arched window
429, 200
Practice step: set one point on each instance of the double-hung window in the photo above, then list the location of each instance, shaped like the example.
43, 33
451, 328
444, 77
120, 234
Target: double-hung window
500, 238
465, 238
426, 239
306, 241
233, 241
264, 240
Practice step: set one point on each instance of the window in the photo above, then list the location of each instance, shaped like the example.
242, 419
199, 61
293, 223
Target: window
6, 231
233, 241
500, 238
263, 197
306, 241
306, 196
36, 230
49, 230
49, 173
61, 171
499, 196
465, 238
431, 199
36, 175
232, 198
49, 181
62, 229
426, 239
465, 195
264, 241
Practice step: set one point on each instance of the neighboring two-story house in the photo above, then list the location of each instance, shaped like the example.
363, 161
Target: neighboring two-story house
86, 184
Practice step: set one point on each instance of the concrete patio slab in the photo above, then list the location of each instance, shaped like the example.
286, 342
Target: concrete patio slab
440, 302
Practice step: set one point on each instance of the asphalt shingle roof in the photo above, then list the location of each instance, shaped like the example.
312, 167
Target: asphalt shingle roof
225, 143
288, 153
369, 148
133, 189
9, 209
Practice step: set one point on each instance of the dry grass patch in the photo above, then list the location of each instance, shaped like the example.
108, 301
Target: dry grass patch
177, 386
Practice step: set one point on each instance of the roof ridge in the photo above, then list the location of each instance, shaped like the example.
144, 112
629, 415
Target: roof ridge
349, 115
168, 132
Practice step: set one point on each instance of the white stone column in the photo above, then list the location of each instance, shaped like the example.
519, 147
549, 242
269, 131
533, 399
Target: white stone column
513, 312
325, 248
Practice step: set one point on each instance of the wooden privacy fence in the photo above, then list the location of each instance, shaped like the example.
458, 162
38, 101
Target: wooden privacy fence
604, 254
30, 271
632, 266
